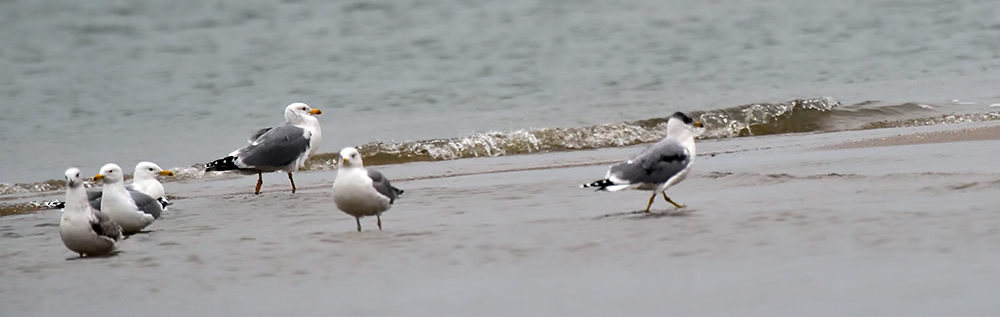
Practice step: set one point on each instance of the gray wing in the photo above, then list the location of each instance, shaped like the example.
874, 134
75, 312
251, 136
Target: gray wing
655, 165
278, 147
256, 135
105, 227
146, 203
162, 200
94, 197
141, 201
382, 186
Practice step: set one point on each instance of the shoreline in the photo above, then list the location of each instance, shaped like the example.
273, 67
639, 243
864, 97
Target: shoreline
991, 132
23, 203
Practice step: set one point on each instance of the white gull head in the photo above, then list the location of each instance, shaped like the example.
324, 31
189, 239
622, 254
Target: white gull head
73, 179
681, 126
110, 174
145, 179
301, 114
149, 170
349, 157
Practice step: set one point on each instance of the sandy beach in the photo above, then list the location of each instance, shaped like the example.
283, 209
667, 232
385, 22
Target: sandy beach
806, 224
960, 135
847, 164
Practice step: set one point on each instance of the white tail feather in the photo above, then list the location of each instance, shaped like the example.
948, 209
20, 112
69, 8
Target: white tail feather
615, 188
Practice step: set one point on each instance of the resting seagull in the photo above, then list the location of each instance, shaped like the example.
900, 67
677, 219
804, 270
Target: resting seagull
146, 203
117, 203
84, 230
144, 181
144, 187
361, 192
282, 148
659, 166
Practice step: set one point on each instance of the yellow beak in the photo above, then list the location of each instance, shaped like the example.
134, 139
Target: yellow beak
315, 111
98, 177
698, 124
346, 161
166, 173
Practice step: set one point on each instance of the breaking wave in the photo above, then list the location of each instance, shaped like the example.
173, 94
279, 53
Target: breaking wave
796, 116
755, 119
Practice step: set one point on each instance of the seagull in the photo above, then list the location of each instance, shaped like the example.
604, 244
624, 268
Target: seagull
144, 181
659, 166
141, 190
84, 230
285, 147
361, 192
146, 203
117, 203
144, 187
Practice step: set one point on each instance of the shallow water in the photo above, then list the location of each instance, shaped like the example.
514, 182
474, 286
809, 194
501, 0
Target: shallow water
123, 81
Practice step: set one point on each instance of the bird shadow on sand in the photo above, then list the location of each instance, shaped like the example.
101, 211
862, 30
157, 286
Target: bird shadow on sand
88, 257
142, 232
642, 214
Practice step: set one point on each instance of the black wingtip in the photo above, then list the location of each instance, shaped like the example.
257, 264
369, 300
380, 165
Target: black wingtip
600, 184
223, 164
163, 202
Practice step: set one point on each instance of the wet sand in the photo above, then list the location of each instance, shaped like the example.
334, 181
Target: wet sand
775, 226
959, 135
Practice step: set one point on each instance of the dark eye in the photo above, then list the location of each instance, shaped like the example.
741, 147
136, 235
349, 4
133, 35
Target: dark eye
150, 169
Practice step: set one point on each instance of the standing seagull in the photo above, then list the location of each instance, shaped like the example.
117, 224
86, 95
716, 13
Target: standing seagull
361, 192
117, 203
83, 229
659, 166
144, 181
282, 148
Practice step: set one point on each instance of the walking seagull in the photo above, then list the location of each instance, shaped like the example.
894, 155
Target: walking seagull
659, 166
361, 192
84, 230
282, 148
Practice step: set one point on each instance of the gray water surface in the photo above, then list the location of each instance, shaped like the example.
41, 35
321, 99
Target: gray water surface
185, 82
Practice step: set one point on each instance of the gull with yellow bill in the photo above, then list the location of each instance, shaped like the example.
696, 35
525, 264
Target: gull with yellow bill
144, 181
143, 187
659, 166
361, 192
132, 215
282, 148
